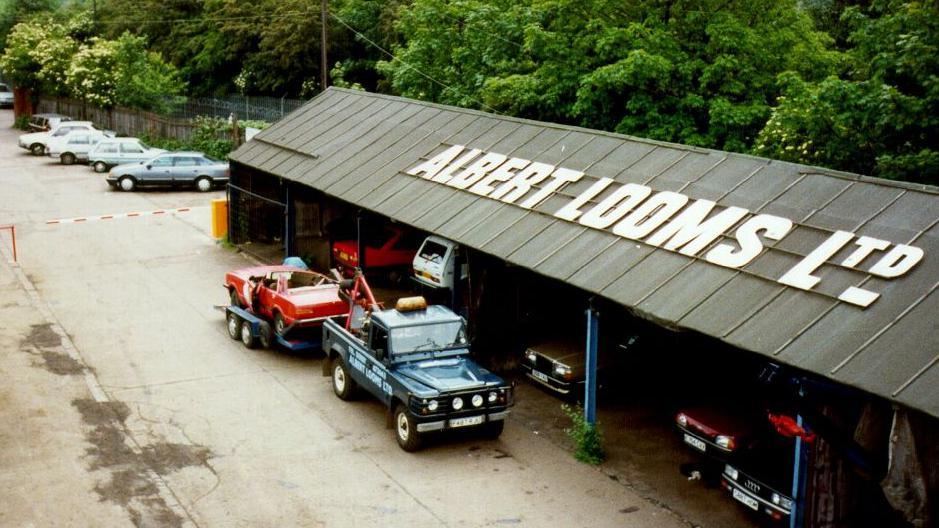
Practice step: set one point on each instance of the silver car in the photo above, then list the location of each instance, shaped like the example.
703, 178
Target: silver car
172, 169
6, 96
74, 146
120, 151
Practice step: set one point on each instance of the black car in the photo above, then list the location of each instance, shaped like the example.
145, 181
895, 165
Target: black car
760, 477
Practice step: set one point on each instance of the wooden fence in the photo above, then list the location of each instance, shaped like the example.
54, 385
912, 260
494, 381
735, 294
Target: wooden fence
123, 121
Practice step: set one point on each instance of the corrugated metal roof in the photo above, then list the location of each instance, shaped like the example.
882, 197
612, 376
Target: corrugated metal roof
355, 146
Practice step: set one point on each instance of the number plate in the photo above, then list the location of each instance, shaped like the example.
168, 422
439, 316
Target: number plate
746, 499
540, 375
695, 443
463, 422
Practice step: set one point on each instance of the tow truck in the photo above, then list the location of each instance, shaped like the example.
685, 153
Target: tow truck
415, 359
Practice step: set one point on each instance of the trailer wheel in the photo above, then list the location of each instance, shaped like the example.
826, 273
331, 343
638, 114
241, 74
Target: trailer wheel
234, 325
265, 334
343, 384
406, 430
247, 338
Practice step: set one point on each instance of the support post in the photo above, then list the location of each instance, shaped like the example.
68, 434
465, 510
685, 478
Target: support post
799, 478
590, 387
290, 216
360, 240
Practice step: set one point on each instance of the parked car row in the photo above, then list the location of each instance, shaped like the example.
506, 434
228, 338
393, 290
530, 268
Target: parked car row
6, 96
131, 162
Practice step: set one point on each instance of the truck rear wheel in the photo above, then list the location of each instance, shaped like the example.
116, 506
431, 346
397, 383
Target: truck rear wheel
343, 384
234, 325
406, 430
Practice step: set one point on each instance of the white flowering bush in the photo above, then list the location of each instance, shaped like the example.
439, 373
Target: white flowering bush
38, 55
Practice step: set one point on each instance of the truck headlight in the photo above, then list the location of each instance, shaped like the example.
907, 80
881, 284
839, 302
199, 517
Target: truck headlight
682, 419
492, 397
730, 471
432, 405
477, 400
458, 403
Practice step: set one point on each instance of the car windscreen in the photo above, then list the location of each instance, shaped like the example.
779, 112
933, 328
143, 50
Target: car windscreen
428, 337
432, 251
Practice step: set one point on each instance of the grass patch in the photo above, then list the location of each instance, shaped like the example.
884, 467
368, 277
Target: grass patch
588, 440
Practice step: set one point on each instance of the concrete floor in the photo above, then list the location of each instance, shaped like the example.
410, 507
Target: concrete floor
127, 403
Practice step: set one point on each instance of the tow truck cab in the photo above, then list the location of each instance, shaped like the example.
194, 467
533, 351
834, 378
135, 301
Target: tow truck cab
415, 359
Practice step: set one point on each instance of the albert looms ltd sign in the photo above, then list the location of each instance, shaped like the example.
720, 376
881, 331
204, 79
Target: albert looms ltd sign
663, 219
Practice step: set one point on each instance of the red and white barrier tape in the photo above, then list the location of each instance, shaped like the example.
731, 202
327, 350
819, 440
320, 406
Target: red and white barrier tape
82, 219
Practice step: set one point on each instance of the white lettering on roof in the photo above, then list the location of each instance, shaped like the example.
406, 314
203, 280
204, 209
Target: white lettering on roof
669, 220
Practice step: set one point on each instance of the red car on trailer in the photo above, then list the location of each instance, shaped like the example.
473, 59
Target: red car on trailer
287, 296
388, 247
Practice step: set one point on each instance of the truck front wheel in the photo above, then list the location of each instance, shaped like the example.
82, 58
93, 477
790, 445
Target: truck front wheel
406, 430
343, 384
493, 430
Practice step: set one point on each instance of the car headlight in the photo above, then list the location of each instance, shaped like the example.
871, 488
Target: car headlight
432, 405
492, 397
781, 501
727, 442
531, 356
682, 419
458, 403
562, 370
477, 400
731, 472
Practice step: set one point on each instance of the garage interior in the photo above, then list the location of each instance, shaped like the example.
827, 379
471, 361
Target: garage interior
306, 183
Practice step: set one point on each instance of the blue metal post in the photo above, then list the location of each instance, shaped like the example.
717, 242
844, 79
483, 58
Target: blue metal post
799, 477
590, 389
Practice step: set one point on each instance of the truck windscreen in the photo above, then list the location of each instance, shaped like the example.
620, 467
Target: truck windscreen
428, 338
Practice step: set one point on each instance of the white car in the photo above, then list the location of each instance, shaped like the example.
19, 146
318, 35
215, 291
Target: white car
36, 142
74, 146
120, 151
437, 262
6, 96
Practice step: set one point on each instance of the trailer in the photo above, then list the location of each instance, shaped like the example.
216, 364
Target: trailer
253, 331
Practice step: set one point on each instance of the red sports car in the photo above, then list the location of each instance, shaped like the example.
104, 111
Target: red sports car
385, 247
288, 296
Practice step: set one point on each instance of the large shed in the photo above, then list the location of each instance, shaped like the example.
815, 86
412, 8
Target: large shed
831, 273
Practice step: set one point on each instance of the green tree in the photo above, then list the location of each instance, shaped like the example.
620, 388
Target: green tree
882, 117
700, 72
121, 72
13, 12
37, 55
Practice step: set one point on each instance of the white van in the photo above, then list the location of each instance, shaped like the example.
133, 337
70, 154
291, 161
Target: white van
436, 262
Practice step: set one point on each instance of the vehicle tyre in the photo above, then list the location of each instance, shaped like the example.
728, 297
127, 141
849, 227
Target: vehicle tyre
204, 184
343, 384
406, 430
247, 338
234, 326
127, 184
100, 166
265, 334
67, 158
493, 430
37, 149
280, 326
233, 298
